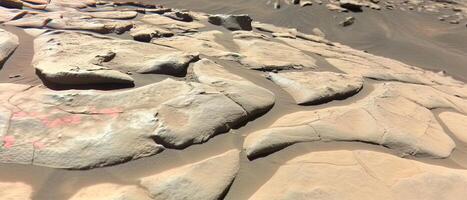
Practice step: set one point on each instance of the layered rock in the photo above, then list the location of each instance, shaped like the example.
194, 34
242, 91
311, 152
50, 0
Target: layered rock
394, 116
205, 180
361, 175
10, 14
317, 87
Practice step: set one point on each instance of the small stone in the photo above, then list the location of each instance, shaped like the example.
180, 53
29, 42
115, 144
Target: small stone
14, 76
348, 21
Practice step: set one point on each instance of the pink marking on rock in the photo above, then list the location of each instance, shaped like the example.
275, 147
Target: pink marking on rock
38, 145
55, 123
73, 119
20, 114
8, 141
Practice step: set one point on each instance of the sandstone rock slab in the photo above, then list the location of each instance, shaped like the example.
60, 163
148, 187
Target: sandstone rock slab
361, 174
8, 43
15, 191
205, 180
108, 191
456, 123
317, 87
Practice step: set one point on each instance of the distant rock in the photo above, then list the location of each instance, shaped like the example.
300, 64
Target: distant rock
347, 21
352, 5
361, 174
318, 32
334, 7
171, 24
205, 180
114, 14
305, 3
232, 22
317, 87
180, 16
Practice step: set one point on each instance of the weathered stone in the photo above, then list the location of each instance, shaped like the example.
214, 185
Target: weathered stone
317, 87
352, 5
205, 180
30, 22
262, 54
15, 191
145, 33
171, 24
334, 7
108, 191
361, 174
232, 22
98, 59
254, 99
180, 16
202, 42
113, 14
386, 117
347, 21
456, 123
8, 44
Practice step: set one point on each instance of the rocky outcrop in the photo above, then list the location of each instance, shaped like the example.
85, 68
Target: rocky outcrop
65, 129
254, 99
385, 117
98, 59
205, 180
317, 87
232, 22
8, 44
172, 24
361, 175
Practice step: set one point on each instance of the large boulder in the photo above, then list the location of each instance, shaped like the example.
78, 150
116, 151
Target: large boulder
317, 87
65, 129
232, 22
208, 179
360, 174
386, 117
8, 44
254, 99
94, 59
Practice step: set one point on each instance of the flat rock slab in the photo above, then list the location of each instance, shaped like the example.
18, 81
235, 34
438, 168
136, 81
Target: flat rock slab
15, 191
205, 180
172, 24
113, 14
94, 59
394, 115
262, 54
360, 174
317, 87
254, 99
108, 191
65, 129
8, 43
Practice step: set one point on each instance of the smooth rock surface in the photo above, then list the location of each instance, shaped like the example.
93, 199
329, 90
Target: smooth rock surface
108, 191
360, 174
15, 191
386, 117
317, 87
456, 123
8, 44
205, 180
254, 99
